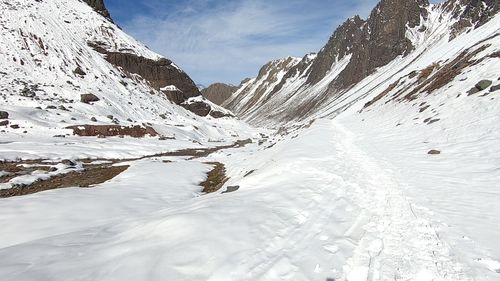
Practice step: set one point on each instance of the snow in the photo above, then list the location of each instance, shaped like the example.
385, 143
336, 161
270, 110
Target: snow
316, 207
146, 187
346, 195
172, 88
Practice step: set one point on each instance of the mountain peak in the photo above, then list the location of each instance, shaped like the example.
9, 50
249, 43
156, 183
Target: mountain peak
100, 7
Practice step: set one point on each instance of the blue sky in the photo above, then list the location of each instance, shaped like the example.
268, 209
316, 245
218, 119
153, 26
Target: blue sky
228, 40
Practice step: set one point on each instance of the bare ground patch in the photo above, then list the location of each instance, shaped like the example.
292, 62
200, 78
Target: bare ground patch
93, 174
216, 178
86, 178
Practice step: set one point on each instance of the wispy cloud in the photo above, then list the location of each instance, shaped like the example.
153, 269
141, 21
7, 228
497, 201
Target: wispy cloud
215, 40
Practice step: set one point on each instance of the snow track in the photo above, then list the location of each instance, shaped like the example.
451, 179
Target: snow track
398, 243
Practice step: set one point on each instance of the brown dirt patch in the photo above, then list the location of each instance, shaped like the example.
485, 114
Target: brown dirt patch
85, 178
215, 178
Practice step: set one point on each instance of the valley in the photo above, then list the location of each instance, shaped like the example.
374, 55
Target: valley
375, 159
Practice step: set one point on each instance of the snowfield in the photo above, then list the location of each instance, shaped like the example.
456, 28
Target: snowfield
317, 205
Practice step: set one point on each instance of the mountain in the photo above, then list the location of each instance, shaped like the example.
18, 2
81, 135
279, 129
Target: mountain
377, 158
64, 64
399, 37
100, 7
218, 92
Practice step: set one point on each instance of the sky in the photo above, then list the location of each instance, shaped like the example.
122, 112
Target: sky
229, 40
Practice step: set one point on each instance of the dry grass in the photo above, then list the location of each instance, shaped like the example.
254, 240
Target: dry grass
426, 72
216, 178
447, 73
383, 94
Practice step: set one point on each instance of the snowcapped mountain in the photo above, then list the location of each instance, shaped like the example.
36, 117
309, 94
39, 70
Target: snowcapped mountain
399, 37
64, 63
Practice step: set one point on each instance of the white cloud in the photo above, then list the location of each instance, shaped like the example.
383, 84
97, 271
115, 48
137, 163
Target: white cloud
230, 42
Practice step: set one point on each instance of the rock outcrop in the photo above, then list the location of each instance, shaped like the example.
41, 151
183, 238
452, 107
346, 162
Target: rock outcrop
377, 41
470, 14
159, 73
98, 6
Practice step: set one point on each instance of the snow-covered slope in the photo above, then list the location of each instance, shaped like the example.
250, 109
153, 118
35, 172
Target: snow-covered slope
394, 177
53, 52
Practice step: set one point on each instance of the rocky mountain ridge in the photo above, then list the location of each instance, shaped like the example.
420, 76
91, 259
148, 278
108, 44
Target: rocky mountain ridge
356, 50
100, 7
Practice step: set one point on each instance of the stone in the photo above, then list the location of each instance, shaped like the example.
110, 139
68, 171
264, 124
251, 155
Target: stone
4, 115
483, 84
219, 114
231, 189
199, 108
88, 98
4, 123
78, 70
15, 126
495, 88
434, 152
93, 119
473, 91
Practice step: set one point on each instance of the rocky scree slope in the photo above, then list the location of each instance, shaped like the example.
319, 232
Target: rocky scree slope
404, 31
65, 64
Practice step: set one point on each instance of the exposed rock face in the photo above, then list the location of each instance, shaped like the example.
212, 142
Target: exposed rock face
372, 43
199, 108
159, 73
203, 108
377, 41
218, 92
99, 7
348, 35
471, 13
